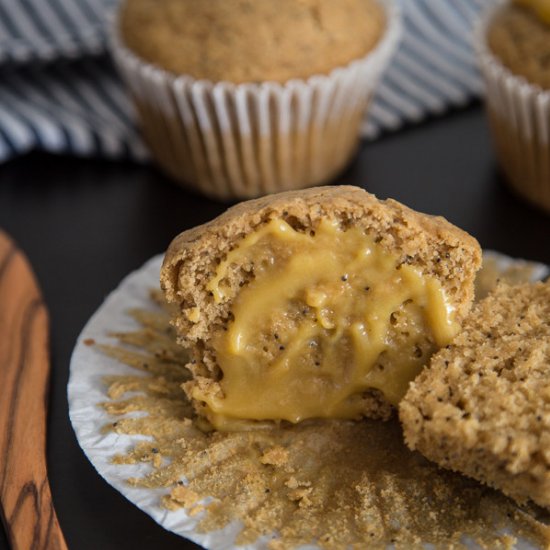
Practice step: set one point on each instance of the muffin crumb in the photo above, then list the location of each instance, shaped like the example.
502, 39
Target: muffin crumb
482, 407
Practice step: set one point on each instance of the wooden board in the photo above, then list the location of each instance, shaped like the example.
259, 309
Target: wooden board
26, 502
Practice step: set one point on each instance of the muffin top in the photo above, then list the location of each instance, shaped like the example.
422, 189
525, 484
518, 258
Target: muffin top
520, 38
251, 40
540, 7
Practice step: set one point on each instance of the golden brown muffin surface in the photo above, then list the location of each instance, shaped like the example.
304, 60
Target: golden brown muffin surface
482, 407
521, 41
251, 40
541, 8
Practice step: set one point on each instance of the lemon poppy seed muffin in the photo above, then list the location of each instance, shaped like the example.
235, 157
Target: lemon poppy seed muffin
482, 407
241, 98
251, 40
520, 38
312, 304
514, 47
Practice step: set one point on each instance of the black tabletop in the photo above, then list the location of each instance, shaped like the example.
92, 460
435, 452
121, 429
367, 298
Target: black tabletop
85, 224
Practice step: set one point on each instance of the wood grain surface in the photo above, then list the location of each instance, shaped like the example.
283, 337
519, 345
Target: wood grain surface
25, 498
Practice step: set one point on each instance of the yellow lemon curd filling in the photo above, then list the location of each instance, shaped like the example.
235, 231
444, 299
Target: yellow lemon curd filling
541, 8
328, 315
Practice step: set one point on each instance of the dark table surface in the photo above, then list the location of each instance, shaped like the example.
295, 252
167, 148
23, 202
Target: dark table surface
85, 224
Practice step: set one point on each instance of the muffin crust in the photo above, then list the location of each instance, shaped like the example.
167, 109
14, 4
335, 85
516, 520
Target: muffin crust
251, 40
521, 41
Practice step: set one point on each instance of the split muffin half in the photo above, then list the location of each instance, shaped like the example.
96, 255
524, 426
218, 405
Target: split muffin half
482, 408
315, 304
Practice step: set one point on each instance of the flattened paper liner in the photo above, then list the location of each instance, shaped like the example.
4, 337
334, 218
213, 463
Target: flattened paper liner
86, 390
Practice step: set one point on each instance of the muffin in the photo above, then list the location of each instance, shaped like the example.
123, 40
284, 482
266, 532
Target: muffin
482, 408
319, 303
514, 49
239, 98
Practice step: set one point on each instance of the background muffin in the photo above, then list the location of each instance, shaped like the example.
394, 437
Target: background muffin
515, 59
520, 38
241, 98
251, 41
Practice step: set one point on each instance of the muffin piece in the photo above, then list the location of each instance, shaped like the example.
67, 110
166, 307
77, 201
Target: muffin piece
514, 51
483, 406
251, 40
319, 303
240, 98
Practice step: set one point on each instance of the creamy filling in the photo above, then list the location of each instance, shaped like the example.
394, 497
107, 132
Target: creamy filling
327, 316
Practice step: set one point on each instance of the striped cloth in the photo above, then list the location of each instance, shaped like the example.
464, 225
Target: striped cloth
59, 91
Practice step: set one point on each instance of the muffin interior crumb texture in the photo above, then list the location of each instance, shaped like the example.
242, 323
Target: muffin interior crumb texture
521, 41
336, 484
483, 407
251, 40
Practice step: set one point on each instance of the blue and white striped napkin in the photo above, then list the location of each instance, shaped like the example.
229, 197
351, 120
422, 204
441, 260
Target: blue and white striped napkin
60, 93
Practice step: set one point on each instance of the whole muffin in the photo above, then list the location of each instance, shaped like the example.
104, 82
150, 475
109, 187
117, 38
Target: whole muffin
240, 98
515, 59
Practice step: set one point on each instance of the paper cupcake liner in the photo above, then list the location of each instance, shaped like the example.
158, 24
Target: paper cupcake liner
245, 140
86, 389
519, 116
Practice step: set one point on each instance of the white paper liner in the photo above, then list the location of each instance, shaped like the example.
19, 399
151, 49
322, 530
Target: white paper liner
86, 389
503, 262
246, 140
519, 113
